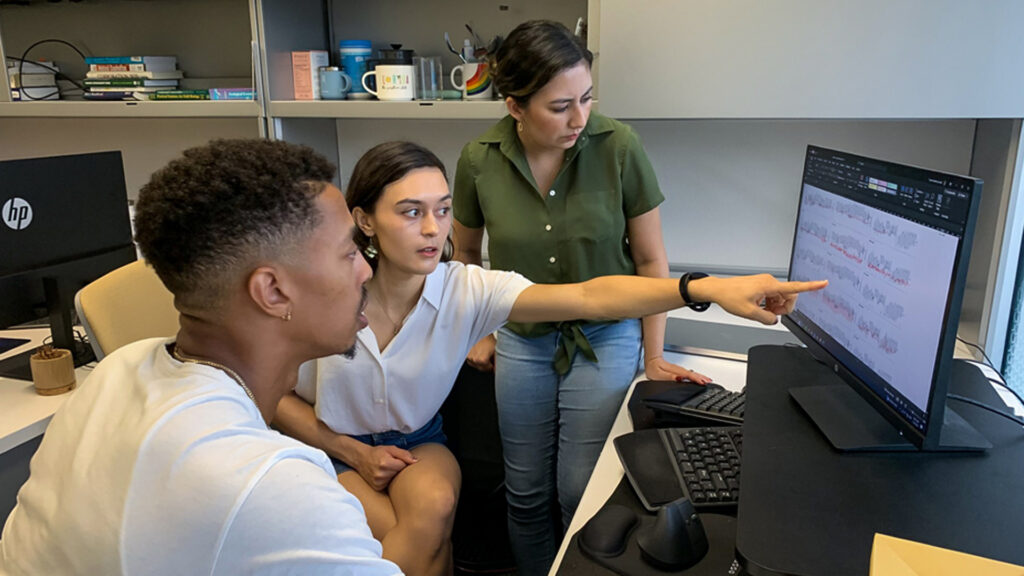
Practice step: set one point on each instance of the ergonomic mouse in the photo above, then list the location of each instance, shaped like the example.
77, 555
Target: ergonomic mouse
676, 539
607, 533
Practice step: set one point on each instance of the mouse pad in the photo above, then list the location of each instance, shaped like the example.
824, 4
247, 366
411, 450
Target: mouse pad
720, 530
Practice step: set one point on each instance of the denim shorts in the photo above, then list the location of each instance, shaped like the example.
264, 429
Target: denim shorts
430, 433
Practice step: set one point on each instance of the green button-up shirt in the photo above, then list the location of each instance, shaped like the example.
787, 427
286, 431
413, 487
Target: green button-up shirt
572, 232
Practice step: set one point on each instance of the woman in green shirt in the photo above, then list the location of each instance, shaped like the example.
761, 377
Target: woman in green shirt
565, 196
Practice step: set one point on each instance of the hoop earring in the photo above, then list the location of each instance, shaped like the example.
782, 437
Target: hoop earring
519, 126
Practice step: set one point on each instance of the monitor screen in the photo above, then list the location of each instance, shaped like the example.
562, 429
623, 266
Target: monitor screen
893, 242
63, 223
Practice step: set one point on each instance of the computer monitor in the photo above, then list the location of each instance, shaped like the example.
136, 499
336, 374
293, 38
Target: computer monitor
894, 242
63, 223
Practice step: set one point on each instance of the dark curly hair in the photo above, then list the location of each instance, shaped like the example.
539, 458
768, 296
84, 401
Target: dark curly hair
207, 217
379, 166
533, 53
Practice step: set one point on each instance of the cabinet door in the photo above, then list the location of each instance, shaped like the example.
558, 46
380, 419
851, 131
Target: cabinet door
811, 58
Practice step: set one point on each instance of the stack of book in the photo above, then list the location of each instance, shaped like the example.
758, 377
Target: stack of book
32, 80
130, 77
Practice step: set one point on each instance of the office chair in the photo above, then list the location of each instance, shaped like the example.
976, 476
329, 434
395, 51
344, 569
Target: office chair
125, 305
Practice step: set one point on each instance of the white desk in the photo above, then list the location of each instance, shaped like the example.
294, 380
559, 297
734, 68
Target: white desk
24, 414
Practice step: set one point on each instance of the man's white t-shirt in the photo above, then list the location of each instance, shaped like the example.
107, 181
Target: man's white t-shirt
403, 386
160, 467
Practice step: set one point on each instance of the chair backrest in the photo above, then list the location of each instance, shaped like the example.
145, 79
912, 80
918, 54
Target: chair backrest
126, 305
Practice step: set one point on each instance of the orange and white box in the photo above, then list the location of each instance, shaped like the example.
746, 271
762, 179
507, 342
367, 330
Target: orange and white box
306, 66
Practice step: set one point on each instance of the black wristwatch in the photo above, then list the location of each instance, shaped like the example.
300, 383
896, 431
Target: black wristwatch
684, 291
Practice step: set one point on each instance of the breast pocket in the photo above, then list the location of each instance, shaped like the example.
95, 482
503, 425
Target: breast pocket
594, 216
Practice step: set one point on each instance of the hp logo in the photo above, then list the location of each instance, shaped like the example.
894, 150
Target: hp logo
16, 213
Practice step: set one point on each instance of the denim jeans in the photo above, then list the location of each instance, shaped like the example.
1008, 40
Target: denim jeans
431, 432
553, 428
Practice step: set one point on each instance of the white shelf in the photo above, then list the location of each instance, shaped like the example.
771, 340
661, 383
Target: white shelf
420, 109
128, 109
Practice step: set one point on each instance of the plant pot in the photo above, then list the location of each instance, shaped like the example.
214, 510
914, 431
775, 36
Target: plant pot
53, 376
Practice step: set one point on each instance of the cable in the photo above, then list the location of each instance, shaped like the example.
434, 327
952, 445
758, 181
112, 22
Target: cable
24, 58
1002, 381
982, 350
982, 405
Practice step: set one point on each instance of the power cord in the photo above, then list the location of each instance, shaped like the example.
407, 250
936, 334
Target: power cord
24, 58
984, 406
1001, 381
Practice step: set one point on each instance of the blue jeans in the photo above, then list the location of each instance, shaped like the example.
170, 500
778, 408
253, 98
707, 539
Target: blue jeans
553, 428
431, 432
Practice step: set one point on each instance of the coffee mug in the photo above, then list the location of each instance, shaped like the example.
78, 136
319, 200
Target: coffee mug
394, 82
476, 81
334, 83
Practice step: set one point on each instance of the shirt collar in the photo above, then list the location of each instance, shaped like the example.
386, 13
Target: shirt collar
504, 134
433, 287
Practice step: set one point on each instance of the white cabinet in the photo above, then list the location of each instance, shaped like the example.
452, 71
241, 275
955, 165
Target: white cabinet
812, 58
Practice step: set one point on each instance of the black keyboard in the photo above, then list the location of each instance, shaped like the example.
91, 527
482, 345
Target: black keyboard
715, 405
707, 463
702, 464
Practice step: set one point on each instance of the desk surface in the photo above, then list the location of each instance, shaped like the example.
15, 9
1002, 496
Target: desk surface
26, 414
801, 495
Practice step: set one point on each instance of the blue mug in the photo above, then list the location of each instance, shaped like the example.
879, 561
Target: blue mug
334, 83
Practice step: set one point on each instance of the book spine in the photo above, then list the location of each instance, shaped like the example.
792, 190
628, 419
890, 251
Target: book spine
90, 60
180, 95
114, 82
117, 67
231, 94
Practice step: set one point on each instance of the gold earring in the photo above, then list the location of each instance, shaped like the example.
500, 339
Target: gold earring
519, 126
287, 316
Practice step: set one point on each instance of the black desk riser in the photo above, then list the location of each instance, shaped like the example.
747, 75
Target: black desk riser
809, 509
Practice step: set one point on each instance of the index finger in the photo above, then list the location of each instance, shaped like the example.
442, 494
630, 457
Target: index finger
797, 287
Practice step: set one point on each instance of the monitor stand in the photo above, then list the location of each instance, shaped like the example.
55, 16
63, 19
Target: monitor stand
853, 425
18, 366
59, 303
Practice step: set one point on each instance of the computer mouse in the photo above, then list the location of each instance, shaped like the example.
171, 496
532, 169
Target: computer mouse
676, 539
607, 533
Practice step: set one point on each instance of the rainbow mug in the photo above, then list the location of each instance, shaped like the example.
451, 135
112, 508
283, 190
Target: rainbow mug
476, 84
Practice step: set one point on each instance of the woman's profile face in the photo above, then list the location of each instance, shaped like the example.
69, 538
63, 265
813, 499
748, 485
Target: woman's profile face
556, 114
411, 221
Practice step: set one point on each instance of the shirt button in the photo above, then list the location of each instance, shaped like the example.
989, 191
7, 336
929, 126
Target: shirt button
551, 192
552, 259
548, 227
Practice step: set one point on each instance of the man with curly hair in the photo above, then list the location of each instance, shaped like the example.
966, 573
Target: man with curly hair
162, 462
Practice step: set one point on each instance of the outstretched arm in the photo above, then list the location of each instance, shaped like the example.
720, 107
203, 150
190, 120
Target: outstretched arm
759, 297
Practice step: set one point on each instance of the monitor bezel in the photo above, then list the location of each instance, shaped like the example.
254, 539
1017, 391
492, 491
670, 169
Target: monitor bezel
930, 438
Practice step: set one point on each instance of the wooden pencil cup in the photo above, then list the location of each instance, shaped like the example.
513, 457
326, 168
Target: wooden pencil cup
53, 371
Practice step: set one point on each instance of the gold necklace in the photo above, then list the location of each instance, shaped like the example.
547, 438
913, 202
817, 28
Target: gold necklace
234, 375
383, 308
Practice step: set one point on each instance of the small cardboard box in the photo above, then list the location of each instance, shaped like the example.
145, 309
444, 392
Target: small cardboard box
306, 66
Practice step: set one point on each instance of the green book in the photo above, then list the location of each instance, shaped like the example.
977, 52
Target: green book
180, 95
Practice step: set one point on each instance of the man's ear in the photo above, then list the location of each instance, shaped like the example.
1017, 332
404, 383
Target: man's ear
362, 220
270, 290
